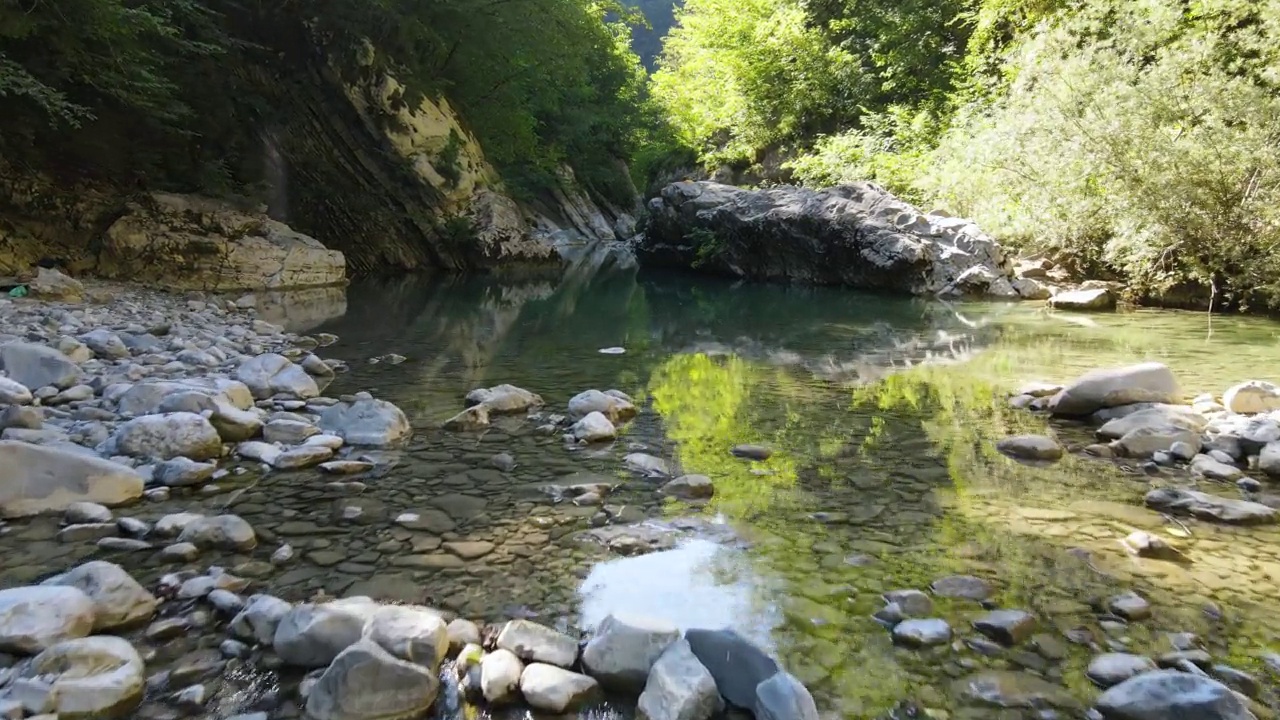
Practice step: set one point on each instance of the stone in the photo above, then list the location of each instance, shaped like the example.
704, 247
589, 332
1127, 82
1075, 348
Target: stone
87, 532
271, 374
504, 399
1030, 447
183, 472
1114, 668
1144, 544
1031, 289
36, 366
118, 600
303, 456
751, 452
92, 677
13, 392
1156, 415
926, 632
470, 550
410, 633
737, 666
288, 432
1215, 469
679, 687
167, 436
173, 524
532, 642
365, 682
690, 487
471, 419
647, 465
462, 632
783, 697
1144, 442
624, 649
312, 635
105, 344
222, 532
500, 673
1168, 694
1209, 507
366, 422
1094, 299
191, 242
34, 618
123, 544
1252, 397
962, 586
1269, 460
615, 409
1007, 627
86, 512
1113, 387
556, 690
259, 619
234, 424
21, 417
36, 479
911, 603
53, 284
180, 552
1011, 689
1131, 606
595, 427
345, 467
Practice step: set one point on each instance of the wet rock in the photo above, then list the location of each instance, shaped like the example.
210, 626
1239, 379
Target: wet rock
552, 689
1112, 387
1152, 416
222, 532
532, 642
1252, 397
912, 603
1144, 544
624, 649
690, 487
92, 677
737, 666
87, 532
167, 436
410, 633
180, 552
173, 524
366, 422
679, 687
271, 374
752, 452
471, 419
1131, 606
614, 408
783, 697
1030, 447
282, 555
345, 467
462, 633
36, 366
86, 512
36, 479
503, 461
303, 456
647, 465
1146, 441
234, 424
34, 618
105, 344
926, 632
1237, 680
183, 472
365, 682
118, 599
966, 587
1167, 694
1215, 469
1209, 507
1269, 460
594, 427
259, 619
1007, 627
311, 636
1114, 668
1090, 299
500, 673
1010, 689
504, 399
260, 451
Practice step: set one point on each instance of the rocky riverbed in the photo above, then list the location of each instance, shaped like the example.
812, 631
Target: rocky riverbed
271, 546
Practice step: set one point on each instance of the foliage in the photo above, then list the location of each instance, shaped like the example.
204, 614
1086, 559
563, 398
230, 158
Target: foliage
646, 39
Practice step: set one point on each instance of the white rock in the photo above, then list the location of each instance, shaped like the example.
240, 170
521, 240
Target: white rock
36, 479
1252, 397
167, 436
259, 619
1146, 441
118, 599
365, 682
271, 374
624, 649
1087, 299
1155, 416
13, 392
183, 472
532, 642
234, 424
36, 617
260, 451
595, 427
86, 512
366, 422
302, 456
222, 532
93, 677
410, 633
500, 673
614, 408
679, 687
173, 524
105, 344
556, 690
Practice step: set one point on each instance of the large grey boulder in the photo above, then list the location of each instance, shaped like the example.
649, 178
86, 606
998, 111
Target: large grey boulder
180, 434
737, 665
152, 396
42, 478
366, 422
1030, 447
118, 599
1144, 442
34, 618
532, 642
311, 636
1172, 695
365, 682
92, 677
556, 690
270, 374
679, 687
1113, 387
416, 634
36, 366
624, 649
1210, 507
857, 235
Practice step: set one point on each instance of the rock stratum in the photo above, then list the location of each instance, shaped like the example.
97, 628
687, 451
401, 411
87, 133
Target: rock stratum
857, 235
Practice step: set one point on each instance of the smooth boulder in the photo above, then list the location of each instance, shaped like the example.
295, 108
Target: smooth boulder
595, 427
311, 636
556, 690
365, 682
118, 599
1144, 442
36, 617
366, 422
410, 633
532, 642
221, 532
624, 649
1210, 507
37, 478
1112, 387
504, 399
91, 678
36, 366
500, 673
271, 374
614, 408
1030, 447
1252, 397
1172, 695
1088, 299
1157, 415
737, 665
783, 697
180, 434
679, 687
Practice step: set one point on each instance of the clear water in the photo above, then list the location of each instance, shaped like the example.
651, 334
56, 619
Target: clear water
882, 414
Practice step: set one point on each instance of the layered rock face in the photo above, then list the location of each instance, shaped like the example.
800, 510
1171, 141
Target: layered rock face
854, 235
